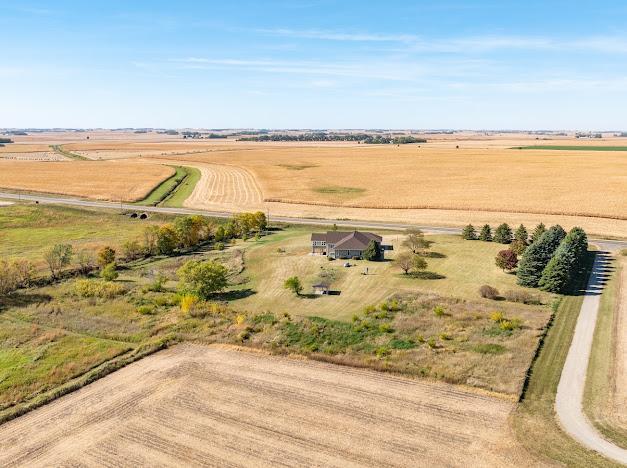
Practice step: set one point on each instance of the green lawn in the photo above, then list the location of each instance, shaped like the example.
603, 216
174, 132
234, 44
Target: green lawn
175, 190
572, 148
456, 268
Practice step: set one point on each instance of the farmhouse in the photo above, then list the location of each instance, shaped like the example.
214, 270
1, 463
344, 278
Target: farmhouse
337, 244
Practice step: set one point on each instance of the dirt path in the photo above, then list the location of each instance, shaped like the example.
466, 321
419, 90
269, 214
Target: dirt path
569, 398
195, 405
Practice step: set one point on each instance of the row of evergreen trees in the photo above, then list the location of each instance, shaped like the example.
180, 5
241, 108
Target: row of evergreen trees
554, 261
503, 233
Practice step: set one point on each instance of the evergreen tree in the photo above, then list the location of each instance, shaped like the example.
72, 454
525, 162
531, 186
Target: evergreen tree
373, 251
537, 232
469, 233
521, 234
486, 233
538, 255
503, 234
562, 271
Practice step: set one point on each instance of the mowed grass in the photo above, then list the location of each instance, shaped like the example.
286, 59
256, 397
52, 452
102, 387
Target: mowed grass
27, 230
184, 189
534, 420
456, 268
600, 378
35, 358
572, 148
175, 190
161, 191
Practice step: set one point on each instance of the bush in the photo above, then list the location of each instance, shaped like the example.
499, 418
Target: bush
488, 292
187, 303
506, 260
146, 310
382, 351
91, 288
219, 246
523, 297
497, 316
439, 311
109, 272
293, 284
132, 250
106, 256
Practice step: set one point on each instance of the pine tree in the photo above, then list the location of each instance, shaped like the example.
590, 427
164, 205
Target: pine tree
469, 233
503, 234
537, 232
521, 234
486, 233
373, 251
562, 271
538, 255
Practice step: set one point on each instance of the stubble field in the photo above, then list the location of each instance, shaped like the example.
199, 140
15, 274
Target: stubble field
197, 405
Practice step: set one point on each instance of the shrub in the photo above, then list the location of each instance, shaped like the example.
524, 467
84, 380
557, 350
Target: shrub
132, 250
85, 260
488, 292
497, 316
91, 288
187, 303
385, 328
523, 297
146, 309
109, 272
445, 336
382, 351
219, 246
240, 319
106, 256
439, 311
431, 343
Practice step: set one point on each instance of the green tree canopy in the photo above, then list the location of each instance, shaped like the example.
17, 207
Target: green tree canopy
202, 278
538, 255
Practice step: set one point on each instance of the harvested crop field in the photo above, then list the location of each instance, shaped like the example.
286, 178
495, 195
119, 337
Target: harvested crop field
193, 405
104, 180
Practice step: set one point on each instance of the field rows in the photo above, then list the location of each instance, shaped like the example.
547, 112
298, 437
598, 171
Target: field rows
207, 406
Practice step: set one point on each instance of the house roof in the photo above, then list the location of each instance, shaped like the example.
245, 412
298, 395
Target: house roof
355, 240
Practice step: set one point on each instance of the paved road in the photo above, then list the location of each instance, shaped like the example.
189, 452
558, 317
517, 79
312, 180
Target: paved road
569, 398
604, 244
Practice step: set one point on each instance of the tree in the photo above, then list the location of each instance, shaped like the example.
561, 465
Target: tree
486, 233
8, 278
469, 233
166, 239
293, 284
506, 260
24, 270
537, 232
85, 260
415, 240
373, 251
518, 247
261, 222
521, 234
187, 232
58, 257
106, 256
503, 234
202, 278
564, 268
151, 235
538, 255
404, 260
220, 234
109, 272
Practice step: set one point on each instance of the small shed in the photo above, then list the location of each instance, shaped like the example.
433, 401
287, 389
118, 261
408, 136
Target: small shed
320, 288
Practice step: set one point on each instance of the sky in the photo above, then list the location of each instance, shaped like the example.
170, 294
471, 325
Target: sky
529, 65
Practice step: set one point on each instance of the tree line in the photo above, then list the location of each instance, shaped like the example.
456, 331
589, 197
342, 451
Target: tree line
549, 259
321, 136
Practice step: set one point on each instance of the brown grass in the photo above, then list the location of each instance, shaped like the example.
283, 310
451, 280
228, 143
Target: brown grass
106, 180
192, 405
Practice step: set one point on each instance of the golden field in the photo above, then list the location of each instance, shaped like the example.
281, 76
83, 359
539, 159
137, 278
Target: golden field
103, 180
451, 180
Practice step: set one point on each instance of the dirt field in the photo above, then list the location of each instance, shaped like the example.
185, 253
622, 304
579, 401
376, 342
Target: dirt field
193, 405
106, 180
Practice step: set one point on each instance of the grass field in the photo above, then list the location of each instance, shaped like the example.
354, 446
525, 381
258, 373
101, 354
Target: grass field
68, 154
173, 191
456, 268
127, 180
196, 405
606, 391
572, 148
28, 230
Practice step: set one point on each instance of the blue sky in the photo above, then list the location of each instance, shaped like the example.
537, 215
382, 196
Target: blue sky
314, 64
